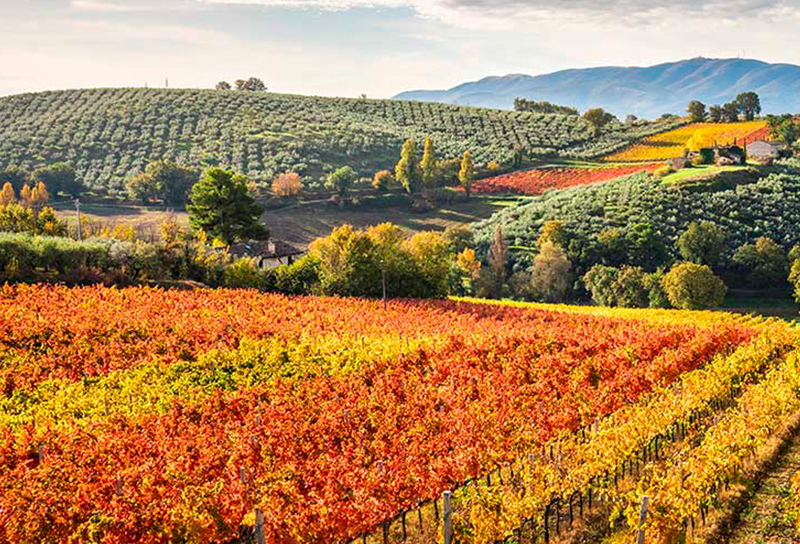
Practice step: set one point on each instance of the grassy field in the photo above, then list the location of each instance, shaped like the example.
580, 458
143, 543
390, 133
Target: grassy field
299, 224
699, 172
95, 217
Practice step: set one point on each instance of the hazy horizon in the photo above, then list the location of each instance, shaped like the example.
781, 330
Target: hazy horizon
375, 47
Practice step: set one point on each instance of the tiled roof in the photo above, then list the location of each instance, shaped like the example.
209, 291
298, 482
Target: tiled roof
269, 249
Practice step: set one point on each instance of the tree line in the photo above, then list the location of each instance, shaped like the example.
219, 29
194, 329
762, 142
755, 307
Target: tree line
745, 107
252, 84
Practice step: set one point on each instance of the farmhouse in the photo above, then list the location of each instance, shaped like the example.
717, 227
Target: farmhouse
720, 155
765, 150
268, 254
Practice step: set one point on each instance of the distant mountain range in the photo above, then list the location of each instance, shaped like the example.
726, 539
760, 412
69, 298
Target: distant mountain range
644, 92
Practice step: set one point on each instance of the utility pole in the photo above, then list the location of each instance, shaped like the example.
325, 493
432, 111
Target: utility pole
78, 209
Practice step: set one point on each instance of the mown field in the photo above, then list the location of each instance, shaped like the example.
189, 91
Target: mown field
109, 134
300, 223
161, 416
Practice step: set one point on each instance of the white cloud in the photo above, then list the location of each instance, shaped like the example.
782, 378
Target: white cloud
489, 13
99, 6
131, 6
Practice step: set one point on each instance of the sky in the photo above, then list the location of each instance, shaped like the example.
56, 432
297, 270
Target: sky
373, 47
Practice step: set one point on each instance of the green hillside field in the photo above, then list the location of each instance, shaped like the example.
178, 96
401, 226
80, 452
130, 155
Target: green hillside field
109, 134
746, 207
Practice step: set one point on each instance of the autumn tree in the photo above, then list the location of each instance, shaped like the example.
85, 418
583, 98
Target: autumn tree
7, 195
26, 196
429, 165
287, 184
554, 231
467, 173
383, 180
408, 171
39, 194
498, 257
551, 273
691, 286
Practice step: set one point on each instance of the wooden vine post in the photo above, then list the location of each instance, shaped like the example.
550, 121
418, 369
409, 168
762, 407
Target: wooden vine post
447, 517
260, 537
642, 518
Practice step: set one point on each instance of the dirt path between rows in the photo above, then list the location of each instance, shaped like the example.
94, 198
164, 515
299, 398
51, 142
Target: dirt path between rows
767, 518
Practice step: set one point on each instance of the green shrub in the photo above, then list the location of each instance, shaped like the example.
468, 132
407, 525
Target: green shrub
629, 287
244, 273
764, 264
703, 242
299, 278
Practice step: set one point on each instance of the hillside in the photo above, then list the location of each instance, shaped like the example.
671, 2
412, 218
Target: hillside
646, 92
108, 134
747, 209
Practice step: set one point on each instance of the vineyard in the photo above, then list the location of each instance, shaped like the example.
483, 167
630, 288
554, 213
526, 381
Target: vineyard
672, 143
109, 134
766, 206
149, 416
537, 181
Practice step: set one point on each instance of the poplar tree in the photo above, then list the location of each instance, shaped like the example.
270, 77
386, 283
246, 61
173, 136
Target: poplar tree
497, 257
430, 165
408, 172
467, 173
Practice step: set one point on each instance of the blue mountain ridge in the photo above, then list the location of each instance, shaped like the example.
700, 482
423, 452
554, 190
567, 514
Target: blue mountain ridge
646, 92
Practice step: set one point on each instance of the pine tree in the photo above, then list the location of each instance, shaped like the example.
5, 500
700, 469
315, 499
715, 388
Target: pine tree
222, 207
467, 173
408, 172
430, 166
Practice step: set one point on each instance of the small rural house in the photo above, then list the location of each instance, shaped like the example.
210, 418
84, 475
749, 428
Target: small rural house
763, 150
720, 155
268, 254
